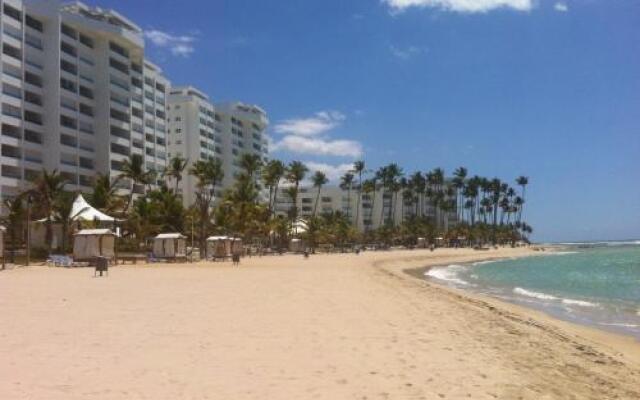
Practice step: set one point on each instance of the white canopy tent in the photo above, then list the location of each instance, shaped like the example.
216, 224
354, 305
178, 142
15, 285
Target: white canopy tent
91, 243
83, 211
299, 226
170, 245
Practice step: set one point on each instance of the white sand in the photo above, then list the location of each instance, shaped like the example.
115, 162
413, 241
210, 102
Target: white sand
330, 327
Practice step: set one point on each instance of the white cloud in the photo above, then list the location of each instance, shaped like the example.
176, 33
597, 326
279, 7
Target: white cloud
405, 53
319, 146
321, 122
463, 6
178, 45
561, 7
333, 172
310, 136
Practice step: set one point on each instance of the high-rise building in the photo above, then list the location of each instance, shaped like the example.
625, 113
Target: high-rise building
373, 211
77, 94
193, 135
200, 130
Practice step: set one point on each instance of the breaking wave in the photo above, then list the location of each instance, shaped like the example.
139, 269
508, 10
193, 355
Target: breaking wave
448, 273
548, 297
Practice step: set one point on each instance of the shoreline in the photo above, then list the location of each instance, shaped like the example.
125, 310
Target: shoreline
330, 326
420, 273
618, 342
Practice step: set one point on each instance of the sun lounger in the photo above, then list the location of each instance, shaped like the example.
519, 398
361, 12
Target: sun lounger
59, 260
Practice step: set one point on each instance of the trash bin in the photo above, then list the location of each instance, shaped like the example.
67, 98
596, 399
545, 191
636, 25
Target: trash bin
102, 265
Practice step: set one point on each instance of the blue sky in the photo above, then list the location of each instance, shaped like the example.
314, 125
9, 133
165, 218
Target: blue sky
548, 89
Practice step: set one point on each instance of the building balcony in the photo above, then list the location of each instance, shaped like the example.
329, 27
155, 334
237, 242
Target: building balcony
33, 88
119, 124
11, 79
11, 39
120, 141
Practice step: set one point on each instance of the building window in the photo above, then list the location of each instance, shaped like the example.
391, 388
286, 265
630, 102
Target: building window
69, 31
86, 92
116, 48
67, 48
67, 66
86, 40
12, 12
11, 51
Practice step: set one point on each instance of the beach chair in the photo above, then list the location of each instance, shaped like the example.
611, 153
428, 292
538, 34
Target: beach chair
152, 259
58, 260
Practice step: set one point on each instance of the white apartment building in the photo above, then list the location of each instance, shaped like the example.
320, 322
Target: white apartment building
375, 210
200, 130
77, 94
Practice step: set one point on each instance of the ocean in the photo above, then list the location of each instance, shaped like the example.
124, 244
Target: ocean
596, 284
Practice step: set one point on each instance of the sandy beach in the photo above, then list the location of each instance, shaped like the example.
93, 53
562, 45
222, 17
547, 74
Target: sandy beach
341, 326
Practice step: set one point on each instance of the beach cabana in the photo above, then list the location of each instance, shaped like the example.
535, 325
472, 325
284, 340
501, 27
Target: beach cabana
296, 245
170, 246
91, 243
236, 246
2, 230
223, 246
218, 247
421, 243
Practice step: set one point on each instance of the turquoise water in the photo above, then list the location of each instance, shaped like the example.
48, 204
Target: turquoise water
598, 286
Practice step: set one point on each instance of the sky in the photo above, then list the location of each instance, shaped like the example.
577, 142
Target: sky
543, 88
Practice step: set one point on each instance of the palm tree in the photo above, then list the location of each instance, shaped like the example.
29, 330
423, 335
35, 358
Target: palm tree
13, 219
208, 173
296, 172
460, 174
104, 194
318, 179
63, 206
359, 168
369, 186
133, 169
517, 203
435, 179
175, 169
346, 183
522, 181
495, 189
167, 209
381, 176
272, 173
48, 188
251, 164
418, 184
392, 173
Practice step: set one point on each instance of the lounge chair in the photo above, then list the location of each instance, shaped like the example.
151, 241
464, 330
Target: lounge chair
59, 260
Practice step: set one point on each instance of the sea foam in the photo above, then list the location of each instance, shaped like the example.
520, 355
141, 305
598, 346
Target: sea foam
580, 303
448, 273
535, 295
549, 297
620, 324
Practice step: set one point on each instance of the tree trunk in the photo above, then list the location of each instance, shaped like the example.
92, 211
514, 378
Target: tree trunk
315, 206
359, 199
275, 199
